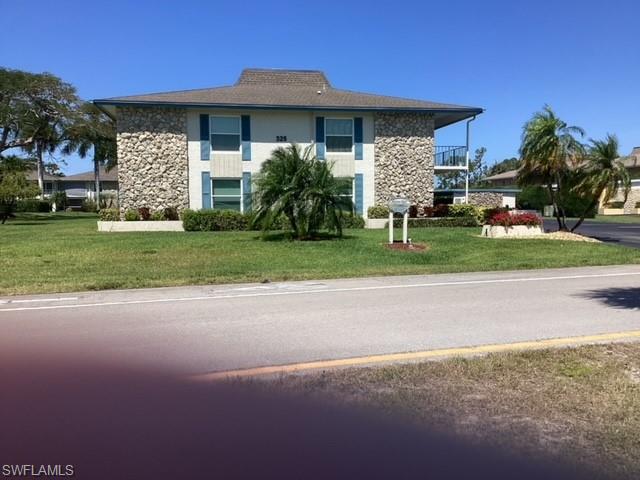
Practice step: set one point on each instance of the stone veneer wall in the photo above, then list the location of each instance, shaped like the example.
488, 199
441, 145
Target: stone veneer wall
152, 158
404, 152
632, 198
485, 199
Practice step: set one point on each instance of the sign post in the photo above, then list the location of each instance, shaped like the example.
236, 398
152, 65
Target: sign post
399, 205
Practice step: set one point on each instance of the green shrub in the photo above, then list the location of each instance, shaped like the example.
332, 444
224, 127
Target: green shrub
352, 221
109, 215
157, 216
466, 210
533, 198
438, 222
60, 200
378, 211
614, 205
131, 215
33, 205
214, 220
89, 206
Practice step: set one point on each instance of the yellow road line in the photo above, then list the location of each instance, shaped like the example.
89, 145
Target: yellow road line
421, 355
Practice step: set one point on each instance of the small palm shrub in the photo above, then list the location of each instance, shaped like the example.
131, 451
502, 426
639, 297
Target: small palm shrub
295, 184
109, 215
157, 216
131, 215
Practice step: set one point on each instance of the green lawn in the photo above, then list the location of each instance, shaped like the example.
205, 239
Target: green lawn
64, 252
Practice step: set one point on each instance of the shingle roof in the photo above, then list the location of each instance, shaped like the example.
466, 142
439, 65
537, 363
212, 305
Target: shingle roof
508, 175
294, 89
110, 176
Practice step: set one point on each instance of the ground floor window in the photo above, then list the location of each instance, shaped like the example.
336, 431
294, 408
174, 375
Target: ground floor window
227, 194
347, 189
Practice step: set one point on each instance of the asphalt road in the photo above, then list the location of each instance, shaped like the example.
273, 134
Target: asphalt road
193, 330
627, 234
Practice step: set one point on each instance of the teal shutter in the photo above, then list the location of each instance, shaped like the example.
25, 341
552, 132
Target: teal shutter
206, 190
359, 186
246, 191
246, 137
320, 138
205, 137
357, 137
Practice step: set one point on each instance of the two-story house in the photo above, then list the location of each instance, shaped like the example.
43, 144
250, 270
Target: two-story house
201, 148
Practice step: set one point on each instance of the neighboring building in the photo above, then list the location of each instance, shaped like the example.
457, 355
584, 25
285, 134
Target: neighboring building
481, 197
504, 179
632, 162
79, 187
200, 148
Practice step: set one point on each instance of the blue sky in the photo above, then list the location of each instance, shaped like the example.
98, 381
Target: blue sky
581, 57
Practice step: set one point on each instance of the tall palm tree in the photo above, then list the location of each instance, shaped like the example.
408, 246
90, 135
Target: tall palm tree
550, 149
93, 132
603, 174
294, 184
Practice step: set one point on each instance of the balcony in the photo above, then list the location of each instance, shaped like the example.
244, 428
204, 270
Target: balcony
448, 157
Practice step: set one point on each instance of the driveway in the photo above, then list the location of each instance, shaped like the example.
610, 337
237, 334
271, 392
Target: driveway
195, 330
627, 234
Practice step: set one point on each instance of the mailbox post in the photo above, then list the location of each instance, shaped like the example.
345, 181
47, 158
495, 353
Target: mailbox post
399, 205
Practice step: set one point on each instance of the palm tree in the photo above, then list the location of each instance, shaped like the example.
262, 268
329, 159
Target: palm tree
294, 184
603, 174
549, 152
92, 131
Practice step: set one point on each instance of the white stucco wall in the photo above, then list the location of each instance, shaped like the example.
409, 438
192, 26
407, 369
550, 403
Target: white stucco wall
266, 125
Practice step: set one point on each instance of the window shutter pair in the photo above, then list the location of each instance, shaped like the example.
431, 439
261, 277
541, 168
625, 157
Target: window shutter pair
205, 137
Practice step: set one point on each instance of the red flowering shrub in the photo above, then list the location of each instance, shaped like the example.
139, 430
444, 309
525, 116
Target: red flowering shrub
506, 219
440, 210
145, 213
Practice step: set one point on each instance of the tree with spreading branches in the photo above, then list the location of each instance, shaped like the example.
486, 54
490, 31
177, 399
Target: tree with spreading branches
92, 132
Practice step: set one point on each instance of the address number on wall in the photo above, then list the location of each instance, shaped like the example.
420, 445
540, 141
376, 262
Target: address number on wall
281, 138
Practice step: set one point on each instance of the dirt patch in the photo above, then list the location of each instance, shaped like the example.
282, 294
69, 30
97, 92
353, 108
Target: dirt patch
407, 247
577, 405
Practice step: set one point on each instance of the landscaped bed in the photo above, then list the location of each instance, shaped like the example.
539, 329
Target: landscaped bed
65, 252
576, 405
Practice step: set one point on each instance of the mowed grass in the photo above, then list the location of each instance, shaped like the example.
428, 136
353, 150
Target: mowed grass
578, 405
65, 252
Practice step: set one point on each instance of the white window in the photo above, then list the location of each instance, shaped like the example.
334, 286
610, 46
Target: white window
339, 135
227, 194
225, 134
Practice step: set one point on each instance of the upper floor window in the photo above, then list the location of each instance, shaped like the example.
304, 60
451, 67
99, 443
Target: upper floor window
339, 134
225, 134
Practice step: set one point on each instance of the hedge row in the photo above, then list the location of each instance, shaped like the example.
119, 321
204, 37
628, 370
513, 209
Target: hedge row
231, 220
437, 222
